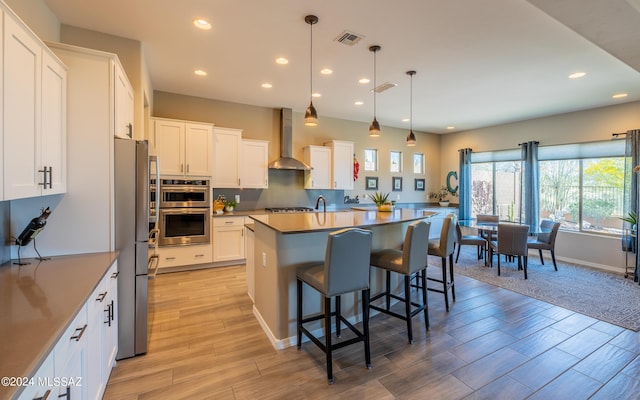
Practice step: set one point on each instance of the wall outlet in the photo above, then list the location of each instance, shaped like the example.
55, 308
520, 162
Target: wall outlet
237, 198
264, 259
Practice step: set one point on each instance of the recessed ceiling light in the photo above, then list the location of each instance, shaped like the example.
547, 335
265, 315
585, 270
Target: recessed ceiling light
267, 85
358, 103
451, 127
577, 75
364, 80
405, 119
202, 24
282, 61
620, 95
326, 71
200, 72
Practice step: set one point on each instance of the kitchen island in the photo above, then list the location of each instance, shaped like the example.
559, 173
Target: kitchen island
285, 241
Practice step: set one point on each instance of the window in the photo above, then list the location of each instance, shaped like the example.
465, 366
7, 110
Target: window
395, 158
589, 190
370, 159
495, 188
418, 163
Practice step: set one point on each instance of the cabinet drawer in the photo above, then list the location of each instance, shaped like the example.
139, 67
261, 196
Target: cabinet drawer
40, 388
227, 221
71, 340
177, 256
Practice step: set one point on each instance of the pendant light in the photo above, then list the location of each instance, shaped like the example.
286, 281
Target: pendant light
311, 116
374, 128
411, 137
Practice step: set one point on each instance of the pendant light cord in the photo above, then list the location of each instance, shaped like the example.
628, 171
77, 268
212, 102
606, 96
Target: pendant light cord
311, 60
411, 103
374, 84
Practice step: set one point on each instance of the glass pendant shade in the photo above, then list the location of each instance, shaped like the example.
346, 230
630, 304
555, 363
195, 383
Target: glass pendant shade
411, 137
374, 128
311, 116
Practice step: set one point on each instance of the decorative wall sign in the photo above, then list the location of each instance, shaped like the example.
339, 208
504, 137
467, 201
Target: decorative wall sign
396, 183
371, 183
452, 174
419, 184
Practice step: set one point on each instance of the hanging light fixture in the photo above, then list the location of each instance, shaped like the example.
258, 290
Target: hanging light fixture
411, 137
374, 128
311, 116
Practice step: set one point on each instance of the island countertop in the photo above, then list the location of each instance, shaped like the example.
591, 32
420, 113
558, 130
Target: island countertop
287, 223
38, 302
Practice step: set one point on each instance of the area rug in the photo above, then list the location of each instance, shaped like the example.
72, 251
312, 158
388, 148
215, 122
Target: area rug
599, 294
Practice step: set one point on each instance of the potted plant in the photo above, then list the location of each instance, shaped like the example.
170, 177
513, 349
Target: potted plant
229, 205
442, 195
381, 200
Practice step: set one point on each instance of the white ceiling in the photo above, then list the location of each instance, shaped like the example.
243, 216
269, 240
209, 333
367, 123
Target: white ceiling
478, 63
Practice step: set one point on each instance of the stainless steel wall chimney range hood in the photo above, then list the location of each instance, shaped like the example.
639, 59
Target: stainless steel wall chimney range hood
286, 160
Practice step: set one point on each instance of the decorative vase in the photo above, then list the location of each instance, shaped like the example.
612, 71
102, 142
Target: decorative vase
444, 204
228, 208
385, 208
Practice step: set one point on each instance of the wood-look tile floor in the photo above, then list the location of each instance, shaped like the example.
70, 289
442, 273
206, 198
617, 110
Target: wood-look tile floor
204, 343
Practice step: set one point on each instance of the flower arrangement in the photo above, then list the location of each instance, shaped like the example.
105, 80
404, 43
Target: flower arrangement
442, 194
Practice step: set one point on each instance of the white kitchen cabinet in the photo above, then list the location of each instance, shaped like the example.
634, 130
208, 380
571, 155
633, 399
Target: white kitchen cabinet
184, 148
341, 164
40, 388
179, 256
71, 357
123, 104
254, 171
34, 107
226, 157
228, 239
319, 159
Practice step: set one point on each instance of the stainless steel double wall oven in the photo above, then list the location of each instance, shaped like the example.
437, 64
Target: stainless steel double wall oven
185, 211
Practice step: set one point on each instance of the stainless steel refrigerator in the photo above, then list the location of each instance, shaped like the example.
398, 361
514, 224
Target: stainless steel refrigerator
131, 183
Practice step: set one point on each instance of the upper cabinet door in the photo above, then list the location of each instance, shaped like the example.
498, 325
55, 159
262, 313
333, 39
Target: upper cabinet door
21, 107
199, 149
254, 172
124, 104
170, 146
54, 124
342, 168
226, 164
319, 158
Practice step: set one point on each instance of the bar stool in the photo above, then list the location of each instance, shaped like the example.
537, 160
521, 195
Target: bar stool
408, 261
443, 248
345, 269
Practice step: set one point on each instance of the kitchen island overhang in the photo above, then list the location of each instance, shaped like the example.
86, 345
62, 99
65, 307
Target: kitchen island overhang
283, 242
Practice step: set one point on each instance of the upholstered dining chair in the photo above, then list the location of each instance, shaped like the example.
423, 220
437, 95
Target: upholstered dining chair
471, 240
443, 247
487, 218
512, 241
345, 269
546, 240
408, 262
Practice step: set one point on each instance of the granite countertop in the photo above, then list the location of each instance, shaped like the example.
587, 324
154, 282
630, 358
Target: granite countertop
319, 221
38, 301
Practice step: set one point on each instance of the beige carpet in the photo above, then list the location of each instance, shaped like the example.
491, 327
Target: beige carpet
606, 296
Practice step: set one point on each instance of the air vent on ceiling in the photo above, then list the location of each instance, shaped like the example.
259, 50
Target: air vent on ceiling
384, 86
348, 38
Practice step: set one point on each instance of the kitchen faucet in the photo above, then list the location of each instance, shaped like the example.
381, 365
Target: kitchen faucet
324, 203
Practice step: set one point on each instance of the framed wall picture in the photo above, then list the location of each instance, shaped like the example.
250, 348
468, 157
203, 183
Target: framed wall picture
396, 183
419, 184
371, 183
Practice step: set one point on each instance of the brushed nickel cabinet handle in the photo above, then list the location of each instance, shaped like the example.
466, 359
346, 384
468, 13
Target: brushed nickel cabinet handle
169, 258
199, 255
79, 335
115, 275
50, 177
101, 297
45, 396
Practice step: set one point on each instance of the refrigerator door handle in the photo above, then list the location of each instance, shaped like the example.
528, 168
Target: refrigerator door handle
154, 263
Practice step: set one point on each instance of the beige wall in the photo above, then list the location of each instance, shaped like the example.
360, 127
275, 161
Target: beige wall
130, 53
38, 17
264, 123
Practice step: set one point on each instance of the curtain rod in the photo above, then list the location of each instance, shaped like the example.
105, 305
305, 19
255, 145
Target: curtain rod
618, 134
533, 141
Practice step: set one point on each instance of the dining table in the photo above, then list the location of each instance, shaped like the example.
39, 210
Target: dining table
490, 227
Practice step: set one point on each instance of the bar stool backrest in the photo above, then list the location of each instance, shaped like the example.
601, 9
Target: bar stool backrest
415, 248
448, 234
346, 266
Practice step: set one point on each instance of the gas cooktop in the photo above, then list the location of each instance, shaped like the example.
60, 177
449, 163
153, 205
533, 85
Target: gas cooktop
288, 209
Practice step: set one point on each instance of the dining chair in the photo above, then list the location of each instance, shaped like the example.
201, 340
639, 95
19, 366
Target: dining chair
443, 247
345, 269
487, 218
408, 262
546, 240
471, 240
512, 241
